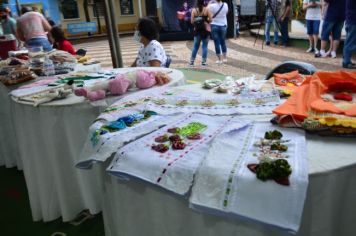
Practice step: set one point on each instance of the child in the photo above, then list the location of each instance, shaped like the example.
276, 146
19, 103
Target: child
60, 41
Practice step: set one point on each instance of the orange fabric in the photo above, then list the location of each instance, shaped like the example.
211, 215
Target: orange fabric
307, 97
292, 77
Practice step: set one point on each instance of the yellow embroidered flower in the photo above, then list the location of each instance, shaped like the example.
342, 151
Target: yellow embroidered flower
329, 121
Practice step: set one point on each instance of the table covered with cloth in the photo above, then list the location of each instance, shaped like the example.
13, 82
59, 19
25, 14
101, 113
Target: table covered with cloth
9, 156
329, 205
49, 139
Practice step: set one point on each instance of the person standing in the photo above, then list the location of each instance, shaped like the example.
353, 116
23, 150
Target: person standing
203, 15
271, 18
284, 16
313, 16
350, 41
32, 28
219, 11
333, 24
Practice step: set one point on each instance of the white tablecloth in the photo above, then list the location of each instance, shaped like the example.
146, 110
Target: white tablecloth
50, 138
9, 156
137, 208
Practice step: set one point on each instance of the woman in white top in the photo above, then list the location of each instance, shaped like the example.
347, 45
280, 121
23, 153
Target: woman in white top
313, 17
151, 53
219, 11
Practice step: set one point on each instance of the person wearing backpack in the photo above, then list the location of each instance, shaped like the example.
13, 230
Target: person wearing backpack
219, 10
200, 18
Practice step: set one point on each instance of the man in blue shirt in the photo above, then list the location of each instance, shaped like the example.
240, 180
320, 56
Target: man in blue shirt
350, 42
333, 23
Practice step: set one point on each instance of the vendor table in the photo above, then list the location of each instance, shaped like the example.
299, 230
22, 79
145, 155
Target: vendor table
49, 139
9, 156
134, 207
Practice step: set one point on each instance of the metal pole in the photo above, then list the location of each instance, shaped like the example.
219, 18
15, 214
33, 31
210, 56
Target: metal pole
140, 8
235, 14
115, 34
110, 34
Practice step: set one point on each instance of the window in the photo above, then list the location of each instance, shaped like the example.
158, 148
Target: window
98, 8
70, 9
126, 7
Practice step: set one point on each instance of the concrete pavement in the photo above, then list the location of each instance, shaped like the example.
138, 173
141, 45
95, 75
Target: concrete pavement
244, 58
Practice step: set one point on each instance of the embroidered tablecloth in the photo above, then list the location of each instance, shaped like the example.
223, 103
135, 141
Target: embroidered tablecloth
224, 184
174, 169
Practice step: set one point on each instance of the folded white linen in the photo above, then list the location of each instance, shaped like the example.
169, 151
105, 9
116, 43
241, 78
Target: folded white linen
224, 184
173, 170
109, 143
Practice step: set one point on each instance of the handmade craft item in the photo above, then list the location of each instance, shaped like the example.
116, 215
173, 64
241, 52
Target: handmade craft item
324, 104
224, 184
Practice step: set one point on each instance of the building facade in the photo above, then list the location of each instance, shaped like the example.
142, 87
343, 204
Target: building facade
71, 13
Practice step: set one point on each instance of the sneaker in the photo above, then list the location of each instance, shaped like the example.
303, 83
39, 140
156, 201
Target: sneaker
204, 64
349, 66
316, 51
191, 63
275, 43
310, 50
268, 43
323, 53
224, 60
218, 62
333, 54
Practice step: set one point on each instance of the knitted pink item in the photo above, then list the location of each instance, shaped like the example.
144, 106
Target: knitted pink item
119, 85
145, 79
81, 92
96, 95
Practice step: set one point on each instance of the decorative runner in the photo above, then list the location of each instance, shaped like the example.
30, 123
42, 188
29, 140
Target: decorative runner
170, 156
225, 185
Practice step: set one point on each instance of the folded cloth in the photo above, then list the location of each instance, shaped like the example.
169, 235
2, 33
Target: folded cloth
174, 164
109, 143
224, 184
309, 96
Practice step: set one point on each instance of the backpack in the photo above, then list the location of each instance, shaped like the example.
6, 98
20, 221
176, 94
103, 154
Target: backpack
199, 23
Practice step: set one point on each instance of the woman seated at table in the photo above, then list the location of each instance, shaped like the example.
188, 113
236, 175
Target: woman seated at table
60, 41
151, 53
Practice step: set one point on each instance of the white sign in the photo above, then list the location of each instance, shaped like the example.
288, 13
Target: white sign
248, 7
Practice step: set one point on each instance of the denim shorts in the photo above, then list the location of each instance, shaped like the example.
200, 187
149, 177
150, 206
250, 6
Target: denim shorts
313, 27
334, 28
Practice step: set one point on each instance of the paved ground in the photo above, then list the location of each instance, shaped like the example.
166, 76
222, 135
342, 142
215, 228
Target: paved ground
244, 58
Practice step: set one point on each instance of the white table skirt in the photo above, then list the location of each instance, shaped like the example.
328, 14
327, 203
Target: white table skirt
50, 138
9, 156
136, 208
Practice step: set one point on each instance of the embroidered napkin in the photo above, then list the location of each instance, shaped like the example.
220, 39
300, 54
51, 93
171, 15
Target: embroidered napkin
224, 184
174, 169
105, 145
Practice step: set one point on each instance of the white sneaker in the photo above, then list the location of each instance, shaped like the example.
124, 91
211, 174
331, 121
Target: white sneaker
333, 54
218, 62
316, 51
310, 50
323, 54
225, 60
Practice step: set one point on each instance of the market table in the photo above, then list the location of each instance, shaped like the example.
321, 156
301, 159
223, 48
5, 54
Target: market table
9, 156
49, 139
137, 208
